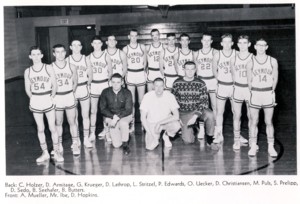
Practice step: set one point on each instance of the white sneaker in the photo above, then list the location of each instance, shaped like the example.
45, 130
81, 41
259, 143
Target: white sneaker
243, 140
78, 143
253, 150
167, 141
76, 149
58, 156
201, 133
44, 157
108, 138
60, 149
218, 138
87, 143
101, 135
257, 147
92, 137
237, 145
271, 150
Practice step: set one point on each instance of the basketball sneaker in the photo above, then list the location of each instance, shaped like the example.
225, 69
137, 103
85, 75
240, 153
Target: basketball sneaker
271, 150
201, 133
76, 149
58, 156
253, 150
243, 140
87, 143
44, 157
167, 141
237, 145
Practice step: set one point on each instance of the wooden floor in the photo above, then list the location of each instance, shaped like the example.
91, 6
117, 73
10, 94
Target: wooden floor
22, 149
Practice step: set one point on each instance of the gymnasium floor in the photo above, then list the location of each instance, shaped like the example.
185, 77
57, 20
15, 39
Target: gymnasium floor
22, 149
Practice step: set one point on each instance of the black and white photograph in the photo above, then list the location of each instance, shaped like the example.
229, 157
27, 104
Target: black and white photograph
150, 90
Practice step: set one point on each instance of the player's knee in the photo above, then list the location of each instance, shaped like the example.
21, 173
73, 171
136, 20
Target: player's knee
41, 128
268, 122
58, 122
93, 111
175, 127
52, 129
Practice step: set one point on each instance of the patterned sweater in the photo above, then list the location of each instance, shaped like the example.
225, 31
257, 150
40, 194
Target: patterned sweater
191, 95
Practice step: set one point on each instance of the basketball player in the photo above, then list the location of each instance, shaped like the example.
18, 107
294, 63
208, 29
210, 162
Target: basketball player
203, 59
222, 72
84, 73
262, 82
159, 111
241, 91
153, 53
167, 61
40, 87
102, 71
116, 105
66, 79
136, 61
184, 55
118, 57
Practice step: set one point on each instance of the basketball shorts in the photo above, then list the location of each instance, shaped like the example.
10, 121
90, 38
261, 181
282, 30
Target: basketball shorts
82, 92
169, 80
224, 91
135, 77
240, 93
211, 84
41, 103
97, 87
65, 101
153, 73
262, 99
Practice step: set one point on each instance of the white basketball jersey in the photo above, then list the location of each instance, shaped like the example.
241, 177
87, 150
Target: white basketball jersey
100, 69
169, 62
182, 59
135, 58
240, 69
116, 62
81, 68
204, 61
63, 77
262, 76
224, 72
153, 56
39, 80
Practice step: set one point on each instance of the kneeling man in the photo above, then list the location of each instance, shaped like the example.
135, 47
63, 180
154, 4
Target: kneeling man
159, 111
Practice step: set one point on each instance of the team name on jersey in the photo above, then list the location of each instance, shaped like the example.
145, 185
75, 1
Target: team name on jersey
262, 71
181, 62
154, 53
205, 60
116, 61
39, 79
169, 58
63, 76
135, 54
239, 67
81, 68
99, 64
224, 65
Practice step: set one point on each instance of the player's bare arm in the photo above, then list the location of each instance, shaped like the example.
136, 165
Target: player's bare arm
232, 62
274, 64
89, 71
176, 61
109, 66
74, 77
27, 83
161, 62
215, 64
249, 67
50, 70
144, 56
124, 62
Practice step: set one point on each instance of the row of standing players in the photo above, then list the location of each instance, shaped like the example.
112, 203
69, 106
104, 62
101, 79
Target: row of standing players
228, 74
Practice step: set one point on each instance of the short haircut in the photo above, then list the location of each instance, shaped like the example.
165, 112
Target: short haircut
35, 48
158, 79
243, 37
76, 39
134, 30
116, 75
261, 39
206, 34
184, 35
189, 63
111, 35
171, 35
96, 37
58, 46
226, 35
154, 30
